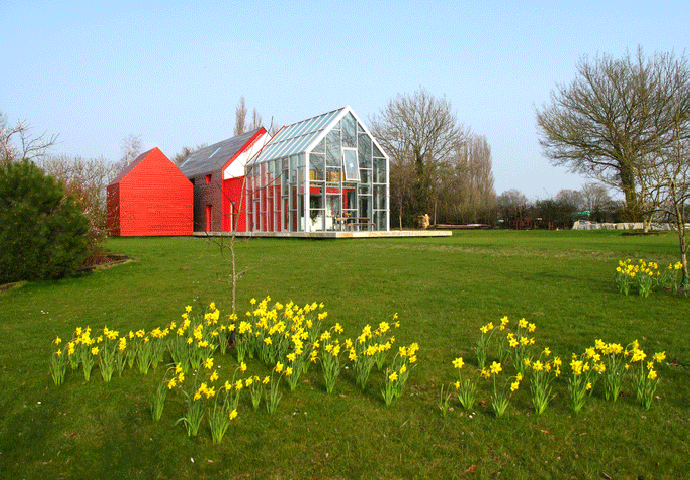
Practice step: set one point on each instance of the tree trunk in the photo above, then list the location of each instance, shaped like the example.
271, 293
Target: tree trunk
627, 178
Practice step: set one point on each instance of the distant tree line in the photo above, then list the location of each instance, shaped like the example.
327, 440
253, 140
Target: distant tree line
592, 203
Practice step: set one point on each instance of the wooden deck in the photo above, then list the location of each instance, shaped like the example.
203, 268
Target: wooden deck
317, 235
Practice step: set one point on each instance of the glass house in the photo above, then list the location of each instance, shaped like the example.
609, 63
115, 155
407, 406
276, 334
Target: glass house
326, 173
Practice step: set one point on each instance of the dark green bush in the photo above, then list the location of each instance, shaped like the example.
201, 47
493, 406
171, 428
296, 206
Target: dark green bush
42, 230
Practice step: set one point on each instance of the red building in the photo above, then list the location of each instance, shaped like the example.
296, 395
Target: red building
151, 197
217, 173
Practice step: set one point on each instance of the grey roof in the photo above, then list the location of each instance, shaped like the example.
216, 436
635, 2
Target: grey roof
213, 157
299, 137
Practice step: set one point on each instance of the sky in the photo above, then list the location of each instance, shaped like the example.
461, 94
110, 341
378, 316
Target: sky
172, 72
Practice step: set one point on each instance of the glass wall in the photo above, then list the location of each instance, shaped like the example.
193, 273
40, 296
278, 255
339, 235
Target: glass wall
339, 184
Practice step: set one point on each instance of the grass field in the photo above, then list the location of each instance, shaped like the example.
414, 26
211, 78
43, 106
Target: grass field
443, 290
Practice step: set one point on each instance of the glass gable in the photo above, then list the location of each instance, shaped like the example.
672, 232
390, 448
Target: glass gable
326, 173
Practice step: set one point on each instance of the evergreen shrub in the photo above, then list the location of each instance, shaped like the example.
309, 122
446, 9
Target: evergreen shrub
42, 230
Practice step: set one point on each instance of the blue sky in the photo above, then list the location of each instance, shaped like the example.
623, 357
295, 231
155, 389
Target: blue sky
173, 71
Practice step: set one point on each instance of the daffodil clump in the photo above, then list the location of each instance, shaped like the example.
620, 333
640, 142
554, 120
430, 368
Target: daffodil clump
58, 363
287, 338
330, 357
609, 362
501, 393
273, 394
520, 343
397, 373
544, 370
646, 379
644, 277
270, 332
484, 343
508, 343
466, 389
585, 369
370, 348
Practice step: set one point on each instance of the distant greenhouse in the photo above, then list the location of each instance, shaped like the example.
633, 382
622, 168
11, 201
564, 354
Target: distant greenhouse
326, 173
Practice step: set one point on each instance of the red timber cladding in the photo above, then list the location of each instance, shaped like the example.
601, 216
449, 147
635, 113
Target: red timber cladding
155, 199
234, 212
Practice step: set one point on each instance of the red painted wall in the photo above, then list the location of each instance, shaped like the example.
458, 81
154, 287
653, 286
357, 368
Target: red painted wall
153, 198
232, 197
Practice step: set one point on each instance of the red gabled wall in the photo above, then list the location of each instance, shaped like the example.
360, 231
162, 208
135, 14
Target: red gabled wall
151, 197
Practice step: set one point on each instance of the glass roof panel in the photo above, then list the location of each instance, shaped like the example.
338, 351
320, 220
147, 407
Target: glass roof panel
297, 137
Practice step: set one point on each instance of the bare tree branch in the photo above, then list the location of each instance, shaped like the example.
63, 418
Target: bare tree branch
17, 143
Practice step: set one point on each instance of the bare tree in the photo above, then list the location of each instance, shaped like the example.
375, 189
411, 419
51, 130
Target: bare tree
17, 143
419, 132
673, 167
183, 154
606, 123
572, 198
87, 180
131, 148
240, 117
595, 196
257, 121
467, 192
513, 205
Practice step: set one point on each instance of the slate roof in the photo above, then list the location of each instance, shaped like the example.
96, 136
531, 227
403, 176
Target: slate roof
213, 157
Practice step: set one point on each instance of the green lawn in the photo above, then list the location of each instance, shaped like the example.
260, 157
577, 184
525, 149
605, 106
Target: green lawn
443, 290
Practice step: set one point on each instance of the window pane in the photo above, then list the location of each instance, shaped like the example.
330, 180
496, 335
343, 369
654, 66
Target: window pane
320, 147
364, 149
333, 148
316, 165
349, 131
350, 163
379, 170
380, 197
